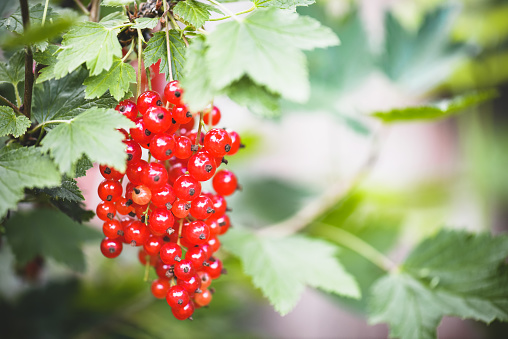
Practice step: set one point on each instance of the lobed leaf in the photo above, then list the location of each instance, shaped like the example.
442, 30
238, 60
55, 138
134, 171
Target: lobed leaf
283, 4
117, 80
194, 12
156, 49
14, 70
12, 124
143, 23
257, 99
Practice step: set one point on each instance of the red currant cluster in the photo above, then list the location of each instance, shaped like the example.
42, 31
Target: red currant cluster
165, 211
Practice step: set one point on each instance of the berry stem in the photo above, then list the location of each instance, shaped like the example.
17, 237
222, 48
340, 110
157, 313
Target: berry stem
44, 13
180, 233
147, 268
10, 104
170, 69
140, 53
225, 9
239, 13
198, 136
128, 52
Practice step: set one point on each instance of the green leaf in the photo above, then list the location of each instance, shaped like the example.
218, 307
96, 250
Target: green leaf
83, 135
282, 267
47, 58
266, 46
156, 50
83, 165
437, 110
12, 124
116, 3
51, 235
194, 12
13, 71
117, 80
38, 34
196, 80
283, 4
65, 98
143, 23
68, 190
73, 209
95, 44
23, 168
453, 273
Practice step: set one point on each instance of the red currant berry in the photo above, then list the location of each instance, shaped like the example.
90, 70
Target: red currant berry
133, 151
187, 188
181, 208
163, 196
191, 285
176, 171
127, 108
154, 175
173, 93
110, 173
110, 190
157, 119
148, 99
217, 142
160, 288
220, 204
181, 114
204, 298
214, 269
163, 270
184, 269
214, 226
184, 312
162, 146
224, 224
141, 134
201, 166
106, 210
135, 170
140, 210
143, 257
196, 255
111, 248
224, 182
183, 147
212, 117
124, 206
197, 233
205, 279
160, 221
177, 297
136, 233
235, 142
188, 126
141, 195
170, 253
214, 244
112, 229
153, 244
202, 207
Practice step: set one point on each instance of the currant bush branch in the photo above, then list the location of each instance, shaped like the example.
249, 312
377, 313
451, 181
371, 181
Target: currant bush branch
10, 104
29, 60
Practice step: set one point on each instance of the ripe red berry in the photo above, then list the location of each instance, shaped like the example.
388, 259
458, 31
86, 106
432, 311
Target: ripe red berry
197, 256
224, 224
177, 297
235, 142
135, 170
112, 229
220, 204
183, 147
163, 196
181, 208
160, 221
127, 108
111, 248
184, 269
197, 233
175, 171
143, 257
214, 269
158, 119
124, 206
212, 117
133, 151
162, 146
217, 142
187, 188
110, 173
214, 244
204, 298
153, 244
202, 165
170, 253
140, 133
181, 114
202, 207
224, 182
206, 280
148, 99
173, 93
136, 233
163, 270
160, 288
191, 285
141, 195
185, 312
154, 175
106, 210
110, 190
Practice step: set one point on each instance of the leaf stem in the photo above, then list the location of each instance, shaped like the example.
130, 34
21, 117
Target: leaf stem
51, 122
83, 8
239, 13
128, 52
170, 68
200, 30
16, 92
225, 9
140, 53
357, 245
29, 60
198, 136
44, 13
10, 104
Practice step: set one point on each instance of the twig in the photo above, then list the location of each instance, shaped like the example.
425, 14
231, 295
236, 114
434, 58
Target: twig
239, 13
10, 104
95, 10
83, 8
29, 61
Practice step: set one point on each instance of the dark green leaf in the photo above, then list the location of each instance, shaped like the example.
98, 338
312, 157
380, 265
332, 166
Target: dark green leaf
143, 23
37, 34
283, 4
12, 124
438, 110
453, 273
117, 80
68, 190
73, 209
281, 268
194, 12
14, 71
256, 98
47, 58
82, 135
51, 235
65, 98
23, 168
156, 49
83, 165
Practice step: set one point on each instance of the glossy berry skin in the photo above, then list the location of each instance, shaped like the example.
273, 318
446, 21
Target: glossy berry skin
160, 288
162, 146
140, 210
163, 270
191, 284
154, 175
170, 252
213, 225
127, 108
160, 220
133, 151
187, 188
141, 195
217, 142
163, 196
153, 244
181, 114
140, 133
177, 297
111, 248
184, 269
181, 208
204, 298
219, 204
212, 117
143, 256
197, 233
214, 243
183, 147
112, 229
224, 182
110, 190
110, 173
196, 255
201, 166
175, 172
124, 206
106, 210
235, 142
136, 233
188, 126
148, 99
184, 312
173, 93
202, 207
214, 270
206, 280
158, 119
224, 224
135, 171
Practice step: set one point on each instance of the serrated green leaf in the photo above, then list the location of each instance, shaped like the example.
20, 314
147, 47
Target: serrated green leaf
281, 269
83, 165
114, 19
194, 12
51, 235
438, 110
23, 168
143, 23
68, 190
196, 81
266, 46
116, 3
156, 50
65, 98
453, 273
117, 80
12, 124
283, 4
47, 58
256, 98
93, 43
83, 135
73, 209
13, 71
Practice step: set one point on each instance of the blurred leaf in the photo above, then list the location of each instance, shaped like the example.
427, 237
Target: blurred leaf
143, 23
256, 98
282, 267
438, 110
13, 71
39, 34
52, 235
116, 3
12, 124
68, 190
73, 209
117, 80
283, 4
453, 273
48, 59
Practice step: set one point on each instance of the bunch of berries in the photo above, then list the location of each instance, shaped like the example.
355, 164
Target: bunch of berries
165, 212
